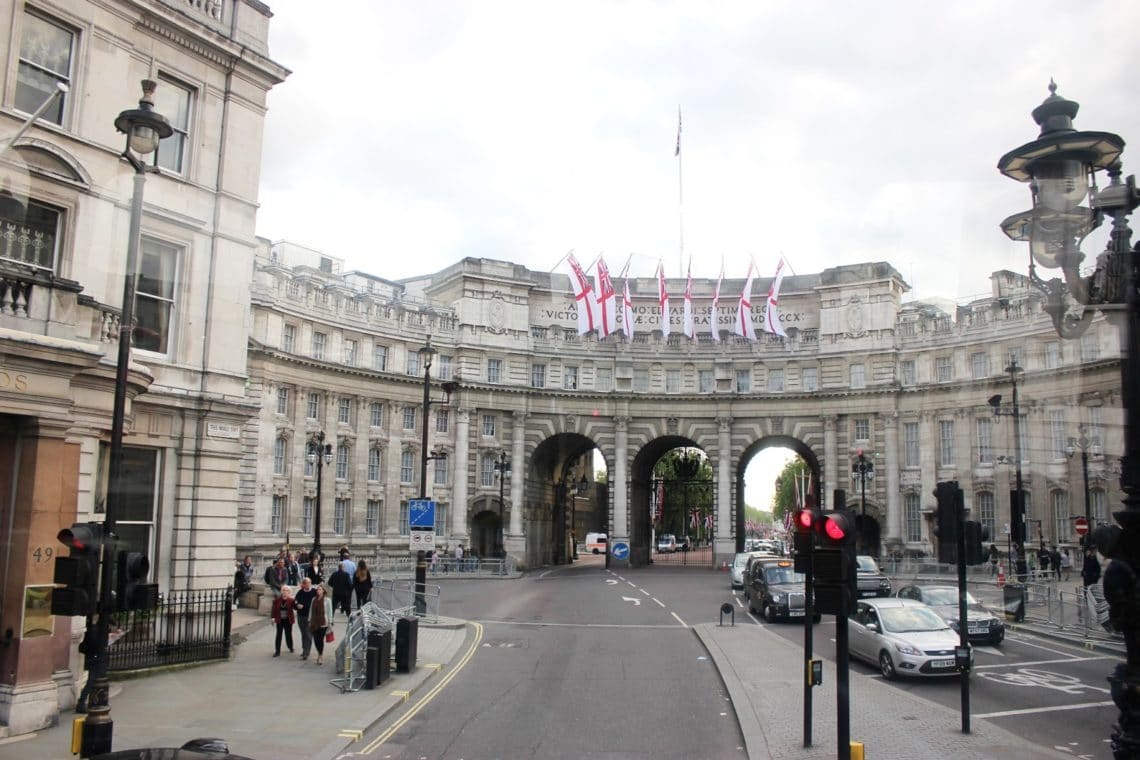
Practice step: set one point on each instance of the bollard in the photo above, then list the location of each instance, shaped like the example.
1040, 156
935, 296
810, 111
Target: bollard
371, 664
727, 609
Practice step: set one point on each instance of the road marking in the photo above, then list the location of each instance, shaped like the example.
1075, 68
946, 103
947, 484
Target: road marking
659, 602
679, 620
541, 624
1043, 679
350, 733
611, 582
645, 592
444, 681
1033, 710
403, 695
635, 600
1059, 661
631, 583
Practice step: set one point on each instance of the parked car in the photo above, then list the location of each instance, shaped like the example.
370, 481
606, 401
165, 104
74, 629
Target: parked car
903, 637
736, 570
981, 624
206, 748
872, 581
666, 543
684, 544
752, 566
776, 590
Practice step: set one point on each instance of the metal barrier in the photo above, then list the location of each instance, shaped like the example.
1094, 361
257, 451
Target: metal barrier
399, 596
352, 651
187, 626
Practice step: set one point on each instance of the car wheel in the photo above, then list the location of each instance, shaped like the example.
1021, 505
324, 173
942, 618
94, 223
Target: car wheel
769, 613
887, 666
816, 618
751, 608
996, 638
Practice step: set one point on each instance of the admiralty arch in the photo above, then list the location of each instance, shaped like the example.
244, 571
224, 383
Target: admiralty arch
865, 366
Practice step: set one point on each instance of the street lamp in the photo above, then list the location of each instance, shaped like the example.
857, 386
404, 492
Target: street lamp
1017, 498
427, 353
144, 127
320, 454
502, 472
1084, 444
1060, 167
579, 490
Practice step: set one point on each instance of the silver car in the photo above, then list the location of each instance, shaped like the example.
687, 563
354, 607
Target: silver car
981, 624
903, 637
736, 571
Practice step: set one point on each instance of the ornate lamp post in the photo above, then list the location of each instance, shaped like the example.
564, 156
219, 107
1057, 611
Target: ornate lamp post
1084, 444
144, 128
1060, 167
862, 472
427, 354
319, 453
1017, 498
502, 472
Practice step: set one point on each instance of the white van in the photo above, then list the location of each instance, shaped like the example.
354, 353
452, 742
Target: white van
596, 543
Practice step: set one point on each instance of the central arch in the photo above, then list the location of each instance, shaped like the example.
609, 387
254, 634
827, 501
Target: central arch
771, 442
641, 496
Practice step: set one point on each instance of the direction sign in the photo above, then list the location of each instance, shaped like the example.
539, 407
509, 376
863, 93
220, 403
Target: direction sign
1081, 526
421, 513
619, 550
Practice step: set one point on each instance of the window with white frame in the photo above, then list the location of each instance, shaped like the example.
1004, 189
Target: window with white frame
407, 466
775, 381
980, 365
946, 443
376, 414
1098, 506
30, 236
985, 440
858, 377
282, 400
489, 425
1096, 424
603, 379
705, 381
413, 367
47, 52
154, 295
349, 352
1090, 347
289, 338
380, 358
442, 421
1023, 439
1052, 354
319, 345
538, 376
440, 518
280, 446
342, 461
374, 464
911, 445
944, 368
912, 504
862, 429
277, 514
672, 381
1062, 527
340, 516
310, 468
404, 530
409, 418
1057, 438
908, 371
175, 101
640, 380
307, 515
743, 380
494, 370
487, 470
439, 472
984, 511
313, 406
445, 367
570, 378
372, 518
344, 411
810, 379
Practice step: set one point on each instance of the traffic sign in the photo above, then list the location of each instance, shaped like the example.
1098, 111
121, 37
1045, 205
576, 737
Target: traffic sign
619, 550
1081, 526
421, 513
422, 539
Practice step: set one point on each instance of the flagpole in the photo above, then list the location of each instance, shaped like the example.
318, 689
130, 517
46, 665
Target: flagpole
564, 257
680, 200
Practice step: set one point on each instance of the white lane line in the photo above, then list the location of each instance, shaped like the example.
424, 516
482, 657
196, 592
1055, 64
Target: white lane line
632, 583
1032, 641
644, 592
1034, 710
679, 620
1034, 663
659, 602
540, 624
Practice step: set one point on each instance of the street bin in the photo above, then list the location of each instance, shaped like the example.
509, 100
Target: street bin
378, 660
407, 631
1014, 597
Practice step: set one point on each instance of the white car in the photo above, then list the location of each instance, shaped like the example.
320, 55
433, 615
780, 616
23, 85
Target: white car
736, 571
666, 543
903, 637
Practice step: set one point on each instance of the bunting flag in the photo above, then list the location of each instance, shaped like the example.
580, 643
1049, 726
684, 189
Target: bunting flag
663, 299
708, 521
714, 319
677, 152
694, 518
788, 521
660, 500
743, 326
627, 312
583, 296
687, 326
606, 298
771, 315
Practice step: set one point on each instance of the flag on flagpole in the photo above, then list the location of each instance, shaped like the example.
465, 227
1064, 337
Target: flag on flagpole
677, 152
607, 300
714, 319
743, 326
663, 299
771, 315
687, 325
627, 312
660, 500
583, 296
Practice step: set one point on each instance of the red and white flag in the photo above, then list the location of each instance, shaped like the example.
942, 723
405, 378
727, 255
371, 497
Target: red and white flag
583, 296
771, 315
714, 319
743, 326
663, 300
687, 326
660, 501
627, 312
708, 521
607, 300
677, 152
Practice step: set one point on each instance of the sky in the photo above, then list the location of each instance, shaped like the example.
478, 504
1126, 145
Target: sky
411, 135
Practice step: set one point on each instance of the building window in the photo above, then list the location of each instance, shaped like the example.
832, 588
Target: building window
30, 239
944, 369
376, 414
340, 516
442, 421
984, 502
640, 380
487, 471
407, 467
46, 52
344, 411
404, 530
310, 468
372, 518
980, 365
175, 101
349, 353
1057, 437
444, 367
282, 400
289, 338
374, 462
1061, 524
318, 345
604, 379
439, 472
380, 358
946, 443
1052, 355
538, 376
862, 429
489, 425
1017, 356
1096, 424
342, 462
913, 507
985, 440
775, 381
811, 379
154, 296
672, 381
909, 373
440, 519
409, 418
570, 378
858, 378
413, 363
1098, 500
307, 515
313, 407
1090, 347
279, 447
494, 370
705, 382
743, 380
277, 514
910, 438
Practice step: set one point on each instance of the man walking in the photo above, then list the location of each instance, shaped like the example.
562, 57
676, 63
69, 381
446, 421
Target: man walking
303, 603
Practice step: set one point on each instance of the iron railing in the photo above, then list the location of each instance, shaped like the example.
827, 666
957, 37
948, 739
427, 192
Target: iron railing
186, 627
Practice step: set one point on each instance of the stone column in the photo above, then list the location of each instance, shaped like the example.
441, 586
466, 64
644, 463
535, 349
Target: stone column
830, 462
619, 488
724, 544
459, 471
518, 472
892, 457
928, 462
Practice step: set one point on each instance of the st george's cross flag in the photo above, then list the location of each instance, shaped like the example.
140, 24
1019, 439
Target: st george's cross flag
663, 300
607, 300
743, 325
714, 327
626, 311
587, 305
771, 314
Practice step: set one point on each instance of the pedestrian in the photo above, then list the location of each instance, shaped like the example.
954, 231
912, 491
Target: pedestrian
276, 576
1066, 564
1090, 574
314, 571
320, 621
993, 555
459, 558
362, 584
341, 584
434, 561
1055, 562
1043, 562
349, 562
243, 576
1031, 563
303, 602
284, 616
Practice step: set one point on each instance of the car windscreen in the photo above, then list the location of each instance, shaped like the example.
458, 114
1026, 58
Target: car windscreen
866, 565
740, 560
910, 620
777, 575
945, 596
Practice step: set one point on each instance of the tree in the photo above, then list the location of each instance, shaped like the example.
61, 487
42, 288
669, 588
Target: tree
795, 471
686, 478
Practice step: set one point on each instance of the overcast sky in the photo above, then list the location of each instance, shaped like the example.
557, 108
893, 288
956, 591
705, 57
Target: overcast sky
410, 135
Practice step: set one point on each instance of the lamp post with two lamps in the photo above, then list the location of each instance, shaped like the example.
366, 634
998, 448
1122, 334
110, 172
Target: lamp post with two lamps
1060, 167
1084, 444
427, 354
318, 453
1017, 497
502, 472
862, 472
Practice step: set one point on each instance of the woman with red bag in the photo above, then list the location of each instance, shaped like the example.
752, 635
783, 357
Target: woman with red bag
319, 619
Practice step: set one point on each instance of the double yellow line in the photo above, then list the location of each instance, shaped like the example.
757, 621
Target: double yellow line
414, 710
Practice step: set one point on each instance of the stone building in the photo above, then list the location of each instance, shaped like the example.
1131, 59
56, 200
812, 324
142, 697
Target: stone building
65, 214
908, 383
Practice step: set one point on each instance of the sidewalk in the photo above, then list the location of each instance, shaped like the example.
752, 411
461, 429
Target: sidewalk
265, 707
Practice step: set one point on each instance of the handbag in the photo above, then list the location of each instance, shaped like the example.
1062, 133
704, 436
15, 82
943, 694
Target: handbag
329, 636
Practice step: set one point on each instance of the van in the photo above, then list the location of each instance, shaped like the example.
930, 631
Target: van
596, 543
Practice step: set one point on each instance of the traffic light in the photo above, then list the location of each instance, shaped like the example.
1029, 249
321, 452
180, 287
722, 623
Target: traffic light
133, 593
803, 522
836, 578
976, 535
949, 498
79, 571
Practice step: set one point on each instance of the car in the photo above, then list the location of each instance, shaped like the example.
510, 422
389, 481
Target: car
596, 543
872, 581
666, 543
736, 570
776, 590
752, 566
684, 544
981, 624
902, 637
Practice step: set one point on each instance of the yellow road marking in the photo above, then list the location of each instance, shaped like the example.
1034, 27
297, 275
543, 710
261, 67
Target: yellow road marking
414, 710
403, 695
351, 733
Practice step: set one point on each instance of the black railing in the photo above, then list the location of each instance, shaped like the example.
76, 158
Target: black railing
186, 627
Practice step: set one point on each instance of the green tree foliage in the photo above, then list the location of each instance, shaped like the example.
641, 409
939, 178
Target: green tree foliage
687, 477
785, 498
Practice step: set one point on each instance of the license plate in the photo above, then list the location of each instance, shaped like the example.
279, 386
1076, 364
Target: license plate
976, 629
942, 663
795, 613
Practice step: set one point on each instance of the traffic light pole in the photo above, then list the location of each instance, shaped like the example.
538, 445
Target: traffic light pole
963, 624
842, 661
809, 614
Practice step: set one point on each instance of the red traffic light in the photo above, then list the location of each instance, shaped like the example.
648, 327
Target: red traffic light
837, 527
804, 520
82, 537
